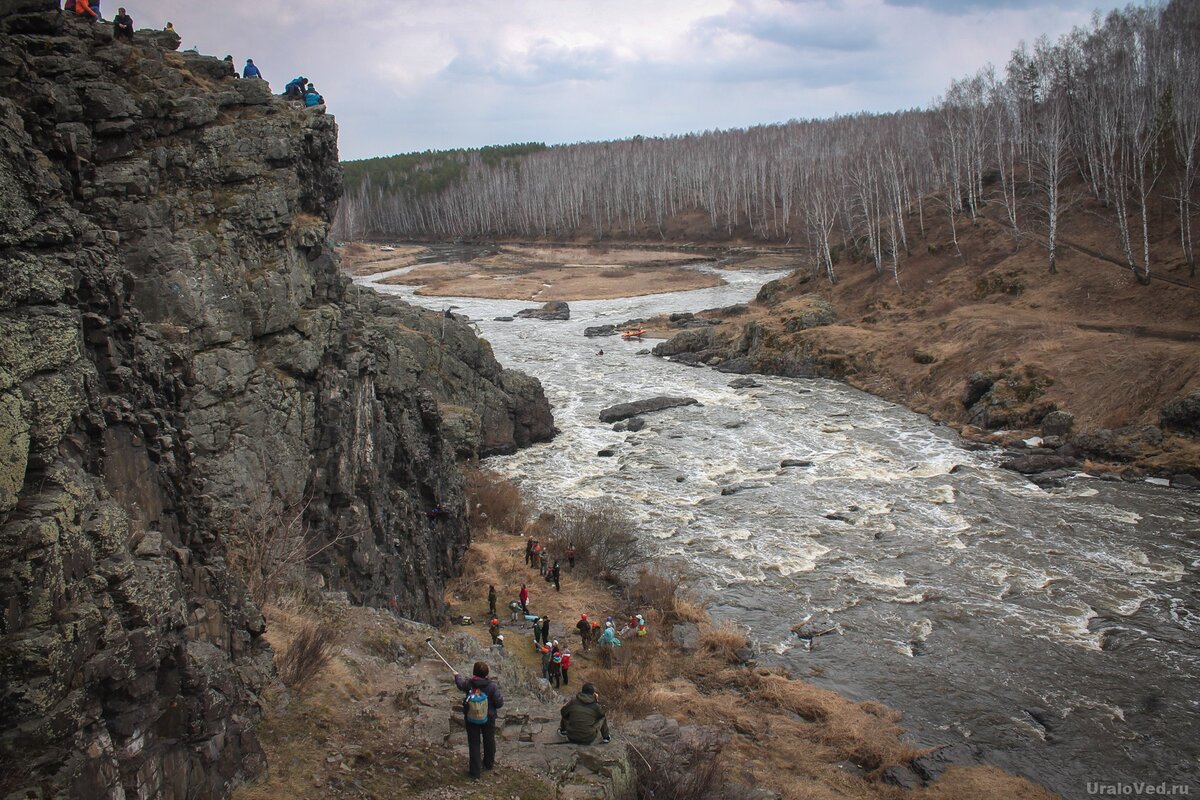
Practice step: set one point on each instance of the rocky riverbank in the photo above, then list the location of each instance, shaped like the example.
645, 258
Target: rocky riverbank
189, 387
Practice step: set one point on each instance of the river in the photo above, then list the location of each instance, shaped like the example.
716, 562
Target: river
1058, 630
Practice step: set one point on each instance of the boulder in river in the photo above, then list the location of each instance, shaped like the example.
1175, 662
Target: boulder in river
503, 319
554, 310
743, 383
1033, 464
600, 330
635, 424
626, 410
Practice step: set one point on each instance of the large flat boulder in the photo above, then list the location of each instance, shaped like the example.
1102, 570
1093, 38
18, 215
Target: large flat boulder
626, 410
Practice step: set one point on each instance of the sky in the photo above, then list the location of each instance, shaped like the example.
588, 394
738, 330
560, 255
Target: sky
405, 76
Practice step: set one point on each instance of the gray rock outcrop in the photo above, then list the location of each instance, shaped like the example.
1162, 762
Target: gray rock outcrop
626, 410
552, 311
182, 366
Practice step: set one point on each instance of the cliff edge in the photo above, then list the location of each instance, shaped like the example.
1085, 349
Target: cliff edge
185, 375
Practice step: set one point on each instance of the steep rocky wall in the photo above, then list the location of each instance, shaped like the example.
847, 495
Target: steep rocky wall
181, 366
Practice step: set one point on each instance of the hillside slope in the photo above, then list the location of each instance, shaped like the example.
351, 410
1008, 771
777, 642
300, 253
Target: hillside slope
186, 380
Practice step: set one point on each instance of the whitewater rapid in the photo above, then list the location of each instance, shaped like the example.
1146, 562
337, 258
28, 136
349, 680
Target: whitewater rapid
1055, 629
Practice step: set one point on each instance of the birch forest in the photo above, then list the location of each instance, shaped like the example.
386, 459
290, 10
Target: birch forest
1106, 118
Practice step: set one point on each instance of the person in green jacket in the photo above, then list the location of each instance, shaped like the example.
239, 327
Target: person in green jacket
583, 717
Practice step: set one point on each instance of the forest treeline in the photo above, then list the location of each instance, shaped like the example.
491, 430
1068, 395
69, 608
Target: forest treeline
1107, 115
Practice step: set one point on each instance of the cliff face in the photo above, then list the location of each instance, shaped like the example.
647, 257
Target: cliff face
182, 371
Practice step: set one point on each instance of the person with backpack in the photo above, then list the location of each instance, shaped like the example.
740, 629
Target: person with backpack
556, 670
251, 71
514, 611
491, 599
583, 718
483, 699
609, 637
546, 654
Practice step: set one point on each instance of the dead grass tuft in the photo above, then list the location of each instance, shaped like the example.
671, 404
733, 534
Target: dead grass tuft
307, 655
494, 500
723, 640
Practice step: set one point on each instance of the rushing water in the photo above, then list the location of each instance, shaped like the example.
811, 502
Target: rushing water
1056, 629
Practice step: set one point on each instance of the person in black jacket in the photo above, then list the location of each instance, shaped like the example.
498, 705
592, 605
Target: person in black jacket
480, 734
123, 25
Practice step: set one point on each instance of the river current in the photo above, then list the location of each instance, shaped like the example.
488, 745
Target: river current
1058, 629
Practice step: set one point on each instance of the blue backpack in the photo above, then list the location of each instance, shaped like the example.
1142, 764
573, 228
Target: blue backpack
477, 707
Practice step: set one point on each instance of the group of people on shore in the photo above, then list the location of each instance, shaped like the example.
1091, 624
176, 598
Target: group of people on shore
583, 718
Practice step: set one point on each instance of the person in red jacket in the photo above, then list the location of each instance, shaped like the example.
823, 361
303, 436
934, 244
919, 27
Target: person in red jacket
566, 666
524, 596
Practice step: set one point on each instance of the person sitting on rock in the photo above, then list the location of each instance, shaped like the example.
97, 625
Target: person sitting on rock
83, 8
583, 718
123, 26
312, 99
250, 70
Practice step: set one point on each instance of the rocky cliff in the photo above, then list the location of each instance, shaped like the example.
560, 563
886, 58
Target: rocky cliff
184, 371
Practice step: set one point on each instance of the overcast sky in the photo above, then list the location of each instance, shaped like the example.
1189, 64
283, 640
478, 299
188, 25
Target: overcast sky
436, 74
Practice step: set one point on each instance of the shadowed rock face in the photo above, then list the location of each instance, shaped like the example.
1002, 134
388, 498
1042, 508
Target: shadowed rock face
181, 361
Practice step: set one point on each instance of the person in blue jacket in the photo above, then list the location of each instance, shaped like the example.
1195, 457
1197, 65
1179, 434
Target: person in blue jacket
477, 734
294, 90
250, 71
311, 98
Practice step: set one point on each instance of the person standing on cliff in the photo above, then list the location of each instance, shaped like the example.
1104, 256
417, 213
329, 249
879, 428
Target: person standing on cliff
251, 71
480, 733
491, 599
123, 26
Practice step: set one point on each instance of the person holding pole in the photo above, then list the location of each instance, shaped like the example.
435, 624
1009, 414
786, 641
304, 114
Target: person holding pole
483, 699
479, 712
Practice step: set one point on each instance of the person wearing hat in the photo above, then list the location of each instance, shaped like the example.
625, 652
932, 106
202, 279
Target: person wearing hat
494, 628
641, 625
583, 718
585, 631
546, 655
566, 666
609, 637
480, 736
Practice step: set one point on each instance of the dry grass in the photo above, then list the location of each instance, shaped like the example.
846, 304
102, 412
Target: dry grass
723, 640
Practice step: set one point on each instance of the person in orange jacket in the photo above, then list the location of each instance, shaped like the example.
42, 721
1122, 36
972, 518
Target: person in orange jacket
84, 9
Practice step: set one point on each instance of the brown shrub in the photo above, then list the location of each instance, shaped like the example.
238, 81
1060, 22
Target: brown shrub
624, 677
494, 500
690, 768
307, 654
661, 590
600, 532
723, 640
